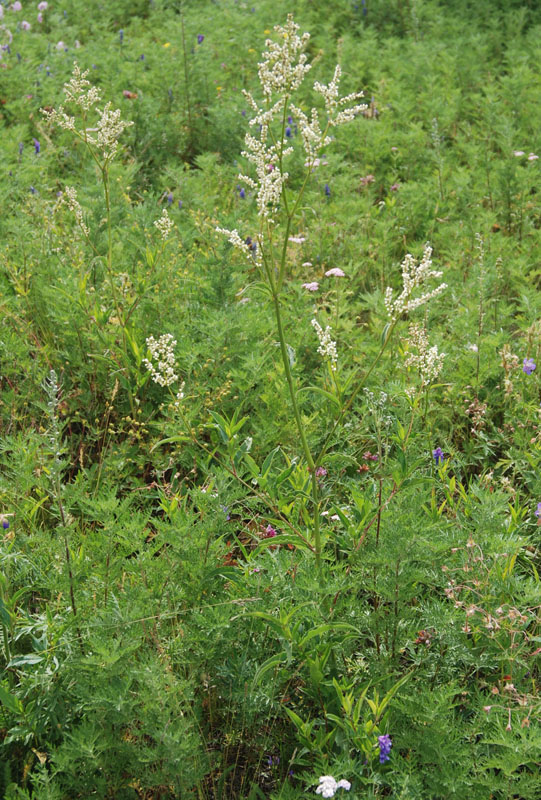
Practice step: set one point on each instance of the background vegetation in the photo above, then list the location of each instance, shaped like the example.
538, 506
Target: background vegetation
165, 631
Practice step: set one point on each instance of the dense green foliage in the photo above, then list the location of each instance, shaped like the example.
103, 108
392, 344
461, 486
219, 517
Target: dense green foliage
168, 628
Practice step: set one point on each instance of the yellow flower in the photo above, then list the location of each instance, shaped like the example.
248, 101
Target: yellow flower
266, 30
167, 44
251, 50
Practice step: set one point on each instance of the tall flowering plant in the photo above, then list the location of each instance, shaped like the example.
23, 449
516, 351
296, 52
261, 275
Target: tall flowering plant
282, 71
100, 127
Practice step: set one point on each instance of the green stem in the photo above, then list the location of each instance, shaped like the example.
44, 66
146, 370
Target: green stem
300, 426
109, 261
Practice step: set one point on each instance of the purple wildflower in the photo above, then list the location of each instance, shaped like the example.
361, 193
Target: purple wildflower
242, 193
384, 744
528, 366
121, 35
321, 472
37, 146
538, 511
170, 198
327, 190
288, 132
438, 455
200, 38
5, 522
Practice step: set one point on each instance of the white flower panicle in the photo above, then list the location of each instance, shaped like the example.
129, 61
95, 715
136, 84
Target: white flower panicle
270, 179
334, 104
427, 361
162, 366
164, 224
413, 275
75, 206
109, 126
312, 136
284, 64
76, 89
282, 70
327, 347
328, 786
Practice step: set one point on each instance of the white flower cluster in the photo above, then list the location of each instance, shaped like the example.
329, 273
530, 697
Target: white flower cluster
327, 348
109, 126
313, 138
334, 105
270, 180
281, 72
163, 353
328, 786
164, 224
413, 275
75, 206
233, 237
284, 64
427, 361
76, 90
179, 397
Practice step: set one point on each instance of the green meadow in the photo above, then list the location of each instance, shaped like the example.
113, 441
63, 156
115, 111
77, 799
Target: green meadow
270, 421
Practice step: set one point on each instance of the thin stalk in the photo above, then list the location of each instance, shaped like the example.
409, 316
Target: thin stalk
300, 427
109, 261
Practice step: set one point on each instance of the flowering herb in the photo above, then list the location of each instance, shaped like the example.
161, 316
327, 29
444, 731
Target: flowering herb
335, 272
384, 744
313, 286
200, 38
327, 190
37, 146
538, 511
528, 366
438, 455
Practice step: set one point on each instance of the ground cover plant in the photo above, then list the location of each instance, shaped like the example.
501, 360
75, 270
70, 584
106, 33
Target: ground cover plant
269, 400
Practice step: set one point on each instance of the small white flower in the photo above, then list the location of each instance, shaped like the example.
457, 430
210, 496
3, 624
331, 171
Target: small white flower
519, 153
162, 351
335, 272
74, 205
297, 239
328, 786
327, 348
164, 224
311, 287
